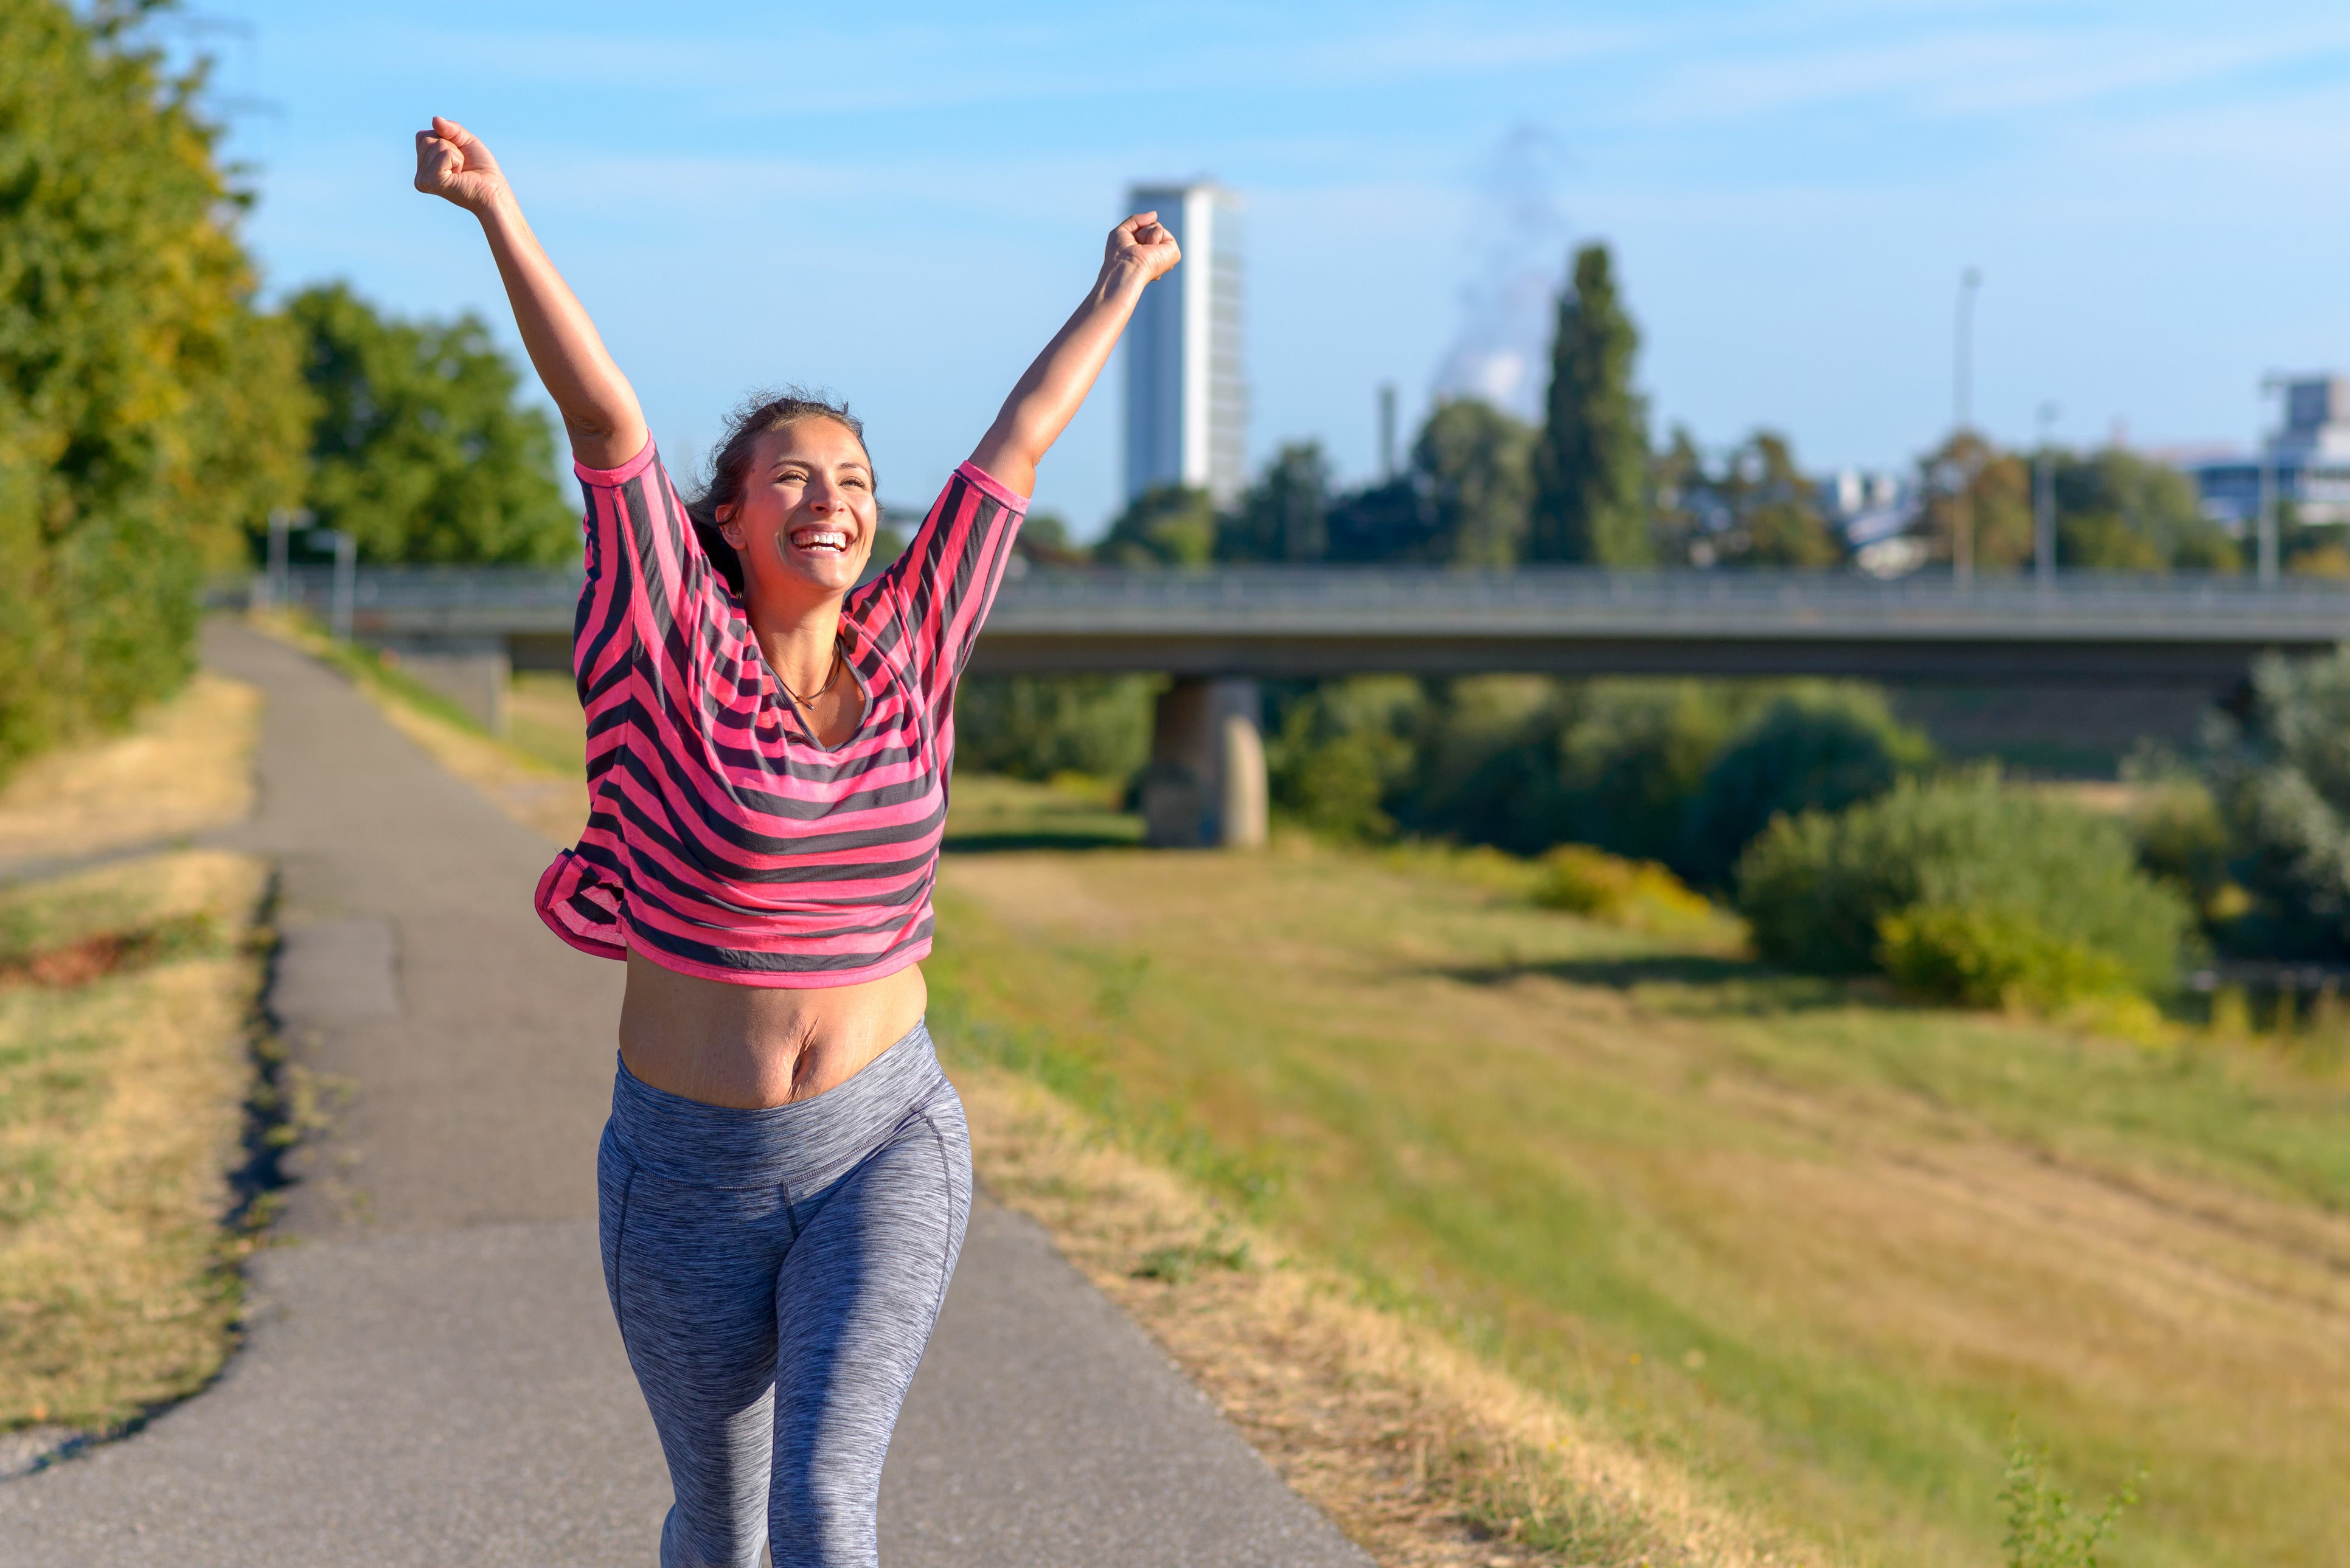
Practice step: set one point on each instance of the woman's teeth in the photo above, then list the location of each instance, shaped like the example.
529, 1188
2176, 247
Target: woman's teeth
820, 539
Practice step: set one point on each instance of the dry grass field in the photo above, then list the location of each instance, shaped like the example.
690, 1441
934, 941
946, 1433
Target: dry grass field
128, 1031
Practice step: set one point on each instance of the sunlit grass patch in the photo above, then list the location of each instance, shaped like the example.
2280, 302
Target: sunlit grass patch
181, 768
122, 1100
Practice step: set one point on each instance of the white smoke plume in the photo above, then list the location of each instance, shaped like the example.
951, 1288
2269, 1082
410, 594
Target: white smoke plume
1517, 247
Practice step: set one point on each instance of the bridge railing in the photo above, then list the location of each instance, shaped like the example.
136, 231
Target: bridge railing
1659, 603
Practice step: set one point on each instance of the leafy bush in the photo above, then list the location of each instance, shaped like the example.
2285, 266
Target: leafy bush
1611, 763
1817, 747
2042, 1531
1815, 887
2182, 840
1636, 893
1033, 727
2281, 780
1340, 750
1991, 957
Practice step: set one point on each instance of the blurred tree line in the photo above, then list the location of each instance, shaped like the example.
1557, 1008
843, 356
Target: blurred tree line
1483, 488
153, 409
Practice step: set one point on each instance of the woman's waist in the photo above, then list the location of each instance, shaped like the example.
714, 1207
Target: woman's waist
799, 1147
751, 1045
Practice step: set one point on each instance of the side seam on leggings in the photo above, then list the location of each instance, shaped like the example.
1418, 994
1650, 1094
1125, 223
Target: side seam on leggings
946, 1183
620, 1244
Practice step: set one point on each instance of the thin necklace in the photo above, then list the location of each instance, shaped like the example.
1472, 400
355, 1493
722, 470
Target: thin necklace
831, 674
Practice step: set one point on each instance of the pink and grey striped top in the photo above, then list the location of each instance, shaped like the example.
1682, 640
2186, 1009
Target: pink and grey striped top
723, 839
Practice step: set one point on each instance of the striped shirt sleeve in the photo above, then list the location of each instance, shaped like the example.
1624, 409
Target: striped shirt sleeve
649, 583
942, 586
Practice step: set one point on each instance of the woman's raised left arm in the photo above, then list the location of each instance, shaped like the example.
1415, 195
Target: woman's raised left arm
1139, 250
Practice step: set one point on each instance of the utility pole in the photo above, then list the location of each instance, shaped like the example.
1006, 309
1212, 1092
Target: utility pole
1962, 517
1388, 431
2266, 524
2044, 503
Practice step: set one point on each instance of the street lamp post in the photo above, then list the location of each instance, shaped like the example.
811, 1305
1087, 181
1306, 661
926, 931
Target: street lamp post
1963, 519
2044, 503
2265, 525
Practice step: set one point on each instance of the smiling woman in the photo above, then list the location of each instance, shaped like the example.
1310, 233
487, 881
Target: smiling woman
787, 1173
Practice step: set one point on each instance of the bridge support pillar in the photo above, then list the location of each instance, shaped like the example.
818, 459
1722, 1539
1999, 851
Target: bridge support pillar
1205, 788
473, 673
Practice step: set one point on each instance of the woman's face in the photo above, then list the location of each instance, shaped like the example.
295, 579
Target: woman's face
806, 516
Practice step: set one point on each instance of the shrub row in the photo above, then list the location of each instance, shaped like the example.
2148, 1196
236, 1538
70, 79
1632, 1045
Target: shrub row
1965, 890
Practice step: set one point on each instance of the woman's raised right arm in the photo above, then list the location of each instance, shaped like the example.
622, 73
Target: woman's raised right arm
600, 408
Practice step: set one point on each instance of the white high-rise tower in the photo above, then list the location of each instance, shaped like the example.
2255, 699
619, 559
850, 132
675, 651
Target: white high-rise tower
1185, 390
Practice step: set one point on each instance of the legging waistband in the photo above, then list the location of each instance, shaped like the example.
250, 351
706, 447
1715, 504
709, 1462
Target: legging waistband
799, 1145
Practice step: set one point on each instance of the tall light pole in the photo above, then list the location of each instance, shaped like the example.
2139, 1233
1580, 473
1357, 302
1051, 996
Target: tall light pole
1962, 362
2265, 525
2043, 502
1962, 392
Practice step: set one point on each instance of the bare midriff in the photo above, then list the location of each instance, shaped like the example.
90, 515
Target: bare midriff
749, 1046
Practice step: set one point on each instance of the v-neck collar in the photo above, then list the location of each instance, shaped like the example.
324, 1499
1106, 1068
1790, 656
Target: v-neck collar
768, 677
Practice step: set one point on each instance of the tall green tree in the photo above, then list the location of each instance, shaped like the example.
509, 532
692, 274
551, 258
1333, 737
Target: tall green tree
1166, 525
1286, 515
1771, 509
1475, 465
421, 450
2117, 510
1591, 465
1685, 508
147, 408
1979, 497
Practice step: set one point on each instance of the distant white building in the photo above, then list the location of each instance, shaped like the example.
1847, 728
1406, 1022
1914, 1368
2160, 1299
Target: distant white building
1876, 511
1186, 384
2306, 463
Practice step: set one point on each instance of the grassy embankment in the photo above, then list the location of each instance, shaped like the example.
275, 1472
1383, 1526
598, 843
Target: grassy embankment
1802, 1244
128, 1035
1615, 1248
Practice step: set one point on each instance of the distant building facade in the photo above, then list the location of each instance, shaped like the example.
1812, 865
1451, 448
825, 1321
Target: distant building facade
2307, 462
1877, 512
1186, 381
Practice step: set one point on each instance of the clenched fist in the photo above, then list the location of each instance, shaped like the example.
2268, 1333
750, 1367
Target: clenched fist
1143, 244
454, 164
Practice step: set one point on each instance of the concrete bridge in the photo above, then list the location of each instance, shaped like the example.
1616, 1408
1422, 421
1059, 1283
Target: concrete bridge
2188, 640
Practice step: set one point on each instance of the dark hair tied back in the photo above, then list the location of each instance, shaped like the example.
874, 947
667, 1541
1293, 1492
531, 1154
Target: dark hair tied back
729, 469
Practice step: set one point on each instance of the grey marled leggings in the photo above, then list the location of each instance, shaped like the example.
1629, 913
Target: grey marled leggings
776, 1274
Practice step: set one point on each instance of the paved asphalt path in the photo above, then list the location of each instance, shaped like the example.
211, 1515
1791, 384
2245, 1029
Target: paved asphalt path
432, 1376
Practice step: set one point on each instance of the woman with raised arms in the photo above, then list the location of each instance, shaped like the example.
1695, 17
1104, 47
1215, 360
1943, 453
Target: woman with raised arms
787, 1173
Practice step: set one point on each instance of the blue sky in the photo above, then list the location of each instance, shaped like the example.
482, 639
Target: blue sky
900, 202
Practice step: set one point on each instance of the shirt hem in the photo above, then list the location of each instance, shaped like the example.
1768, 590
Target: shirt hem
788, 979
